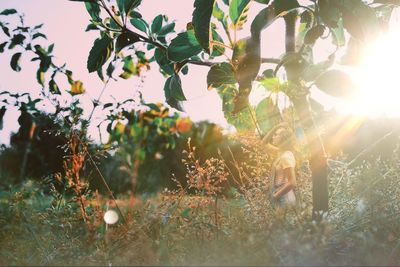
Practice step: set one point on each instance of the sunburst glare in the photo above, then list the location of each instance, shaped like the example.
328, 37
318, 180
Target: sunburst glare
377, 79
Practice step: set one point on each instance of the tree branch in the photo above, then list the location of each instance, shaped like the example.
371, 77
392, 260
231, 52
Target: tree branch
270, 60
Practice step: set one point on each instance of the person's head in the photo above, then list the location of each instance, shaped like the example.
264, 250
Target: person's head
284, 138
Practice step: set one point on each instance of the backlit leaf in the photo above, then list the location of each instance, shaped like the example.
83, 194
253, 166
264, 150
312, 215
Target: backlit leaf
77, 88
236, 8
40, 77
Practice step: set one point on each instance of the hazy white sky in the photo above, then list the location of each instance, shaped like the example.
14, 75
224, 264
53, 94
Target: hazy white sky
65, 23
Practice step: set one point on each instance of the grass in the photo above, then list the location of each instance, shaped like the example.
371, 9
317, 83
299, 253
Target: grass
206, 228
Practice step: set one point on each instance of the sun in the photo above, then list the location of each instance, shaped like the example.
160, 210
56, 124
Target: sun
378, 78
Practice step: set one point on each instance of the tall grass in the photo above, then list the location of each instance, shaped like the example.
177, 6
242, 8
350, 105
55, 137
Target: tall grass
198, 225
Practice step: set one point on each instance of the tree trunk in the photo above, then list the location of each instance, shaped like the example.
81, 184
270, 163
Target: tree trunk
318, 160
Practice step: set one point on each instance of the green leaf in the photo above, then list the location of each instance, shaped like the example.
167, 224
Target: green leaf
130, 5
54, 89
15, 62
134, 14
100, 53
268, 73
173, 88
201, 18
94, 10
38, 34
140, 24
2, 46
265, 2
263, 19
91, 27
68, 73
125, 39
17, 39
271, 84
5, 29
166, 29
218, 13
100, 74
237, 8
157, 23
185, 70
50, 49
40, 77
183, 46
220, 74
217, 50
7, 12
241, 120
110, 69
335, 83
165, 64
121, 6
128, 68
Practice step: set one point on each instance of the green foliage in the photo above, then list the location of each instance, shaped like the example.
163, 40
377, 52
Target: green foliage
220, 74
94, 10
203, 10
173, 91
236, 9
7, 12
184, 46
15, 62
124, 40
100, 53
140, 24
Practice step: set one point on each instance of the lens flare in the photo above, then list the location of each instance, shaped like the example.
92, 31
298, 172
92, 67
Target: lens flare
110, 217
378, 78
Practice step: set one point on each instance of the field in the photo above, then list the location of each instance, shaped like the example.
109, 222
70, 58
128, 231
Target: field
240, 227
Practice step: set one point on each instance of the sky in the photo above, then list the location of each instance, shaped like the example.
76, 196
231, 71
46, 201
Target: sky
65, 23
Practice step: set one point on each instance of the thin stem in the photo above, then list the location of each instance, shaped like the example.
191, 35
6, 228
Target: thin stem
220, 44
201, 63
228, 34
111, 15
98, 99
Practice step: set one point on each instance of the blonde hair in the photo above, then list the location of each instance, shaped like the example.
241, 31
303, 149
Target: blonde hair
289, 139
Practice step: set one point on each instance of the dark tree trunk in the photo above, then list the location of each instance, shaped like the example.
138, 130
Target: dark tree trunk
318, 160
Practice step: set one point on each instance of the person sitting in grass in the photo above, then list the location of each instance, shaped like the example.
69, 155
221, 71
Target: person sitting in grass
280, 143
